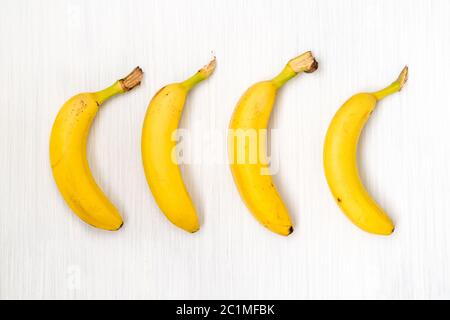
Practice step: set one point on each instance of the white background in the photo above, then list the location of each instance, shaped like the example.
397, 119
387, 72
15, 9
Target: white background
51, 50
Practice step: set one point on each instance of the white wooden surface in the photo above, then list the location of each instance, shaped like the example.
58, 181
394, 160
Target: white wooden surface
51, 50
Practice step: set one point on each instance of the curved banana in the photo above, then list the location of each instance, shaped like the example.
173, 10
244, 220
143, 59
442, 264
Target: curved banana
158, 144
247, 146
68, 155
340, 163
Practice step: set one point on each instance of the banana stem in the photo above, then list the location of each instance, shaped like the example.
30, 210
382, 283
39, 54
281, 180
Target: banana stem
284, 76
105, 94
201, 75
394, 87
303, 63
120, 86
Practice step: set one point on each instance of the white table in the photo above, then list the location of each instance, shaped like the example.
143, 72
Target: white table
51, 50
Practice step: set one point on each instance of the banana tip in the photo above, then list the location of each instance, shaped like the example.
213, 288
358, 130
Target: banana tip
113, 228
132, 80
403, 77
210, 67
304, 63
313, 67
195, 230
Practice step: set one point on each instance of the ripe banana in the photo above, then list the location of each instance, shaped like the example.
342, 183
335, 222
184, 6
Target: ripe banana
158, 145
247, 146
340, 162
68, 155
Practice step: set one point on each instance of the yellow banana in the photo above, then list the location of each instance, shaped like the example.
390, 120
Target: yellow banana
247, 146
340, 162
68, 155
158, 144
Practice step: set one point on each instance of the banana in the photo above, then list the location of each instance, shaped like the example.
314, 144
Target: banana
247, 146
340, 162
68, 155
158, 145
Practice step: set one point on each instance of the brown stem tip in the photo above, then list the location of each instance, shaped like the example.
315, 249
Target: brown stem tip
209, 68
132, 80
304, 63
403, 77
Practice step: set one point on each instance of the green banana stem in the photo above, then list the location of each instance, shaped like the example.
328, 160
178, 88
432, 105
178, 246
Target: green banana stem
123, 85
201, 75
105, 94
284, 76
303, 63
394, 87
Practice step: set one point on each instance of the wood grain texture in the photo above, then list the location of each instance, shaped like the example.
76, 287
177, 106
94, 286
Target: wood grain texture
53, 49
